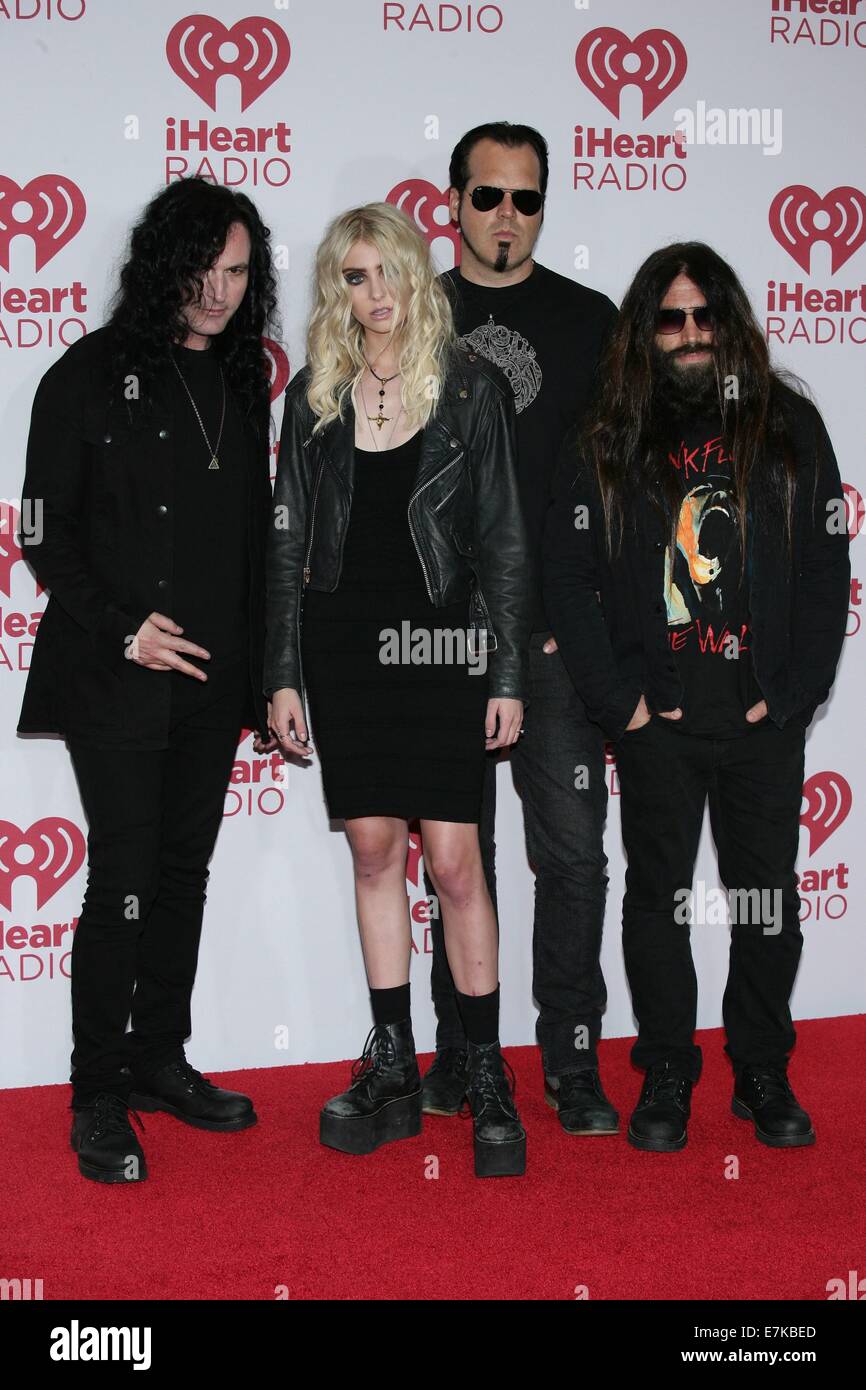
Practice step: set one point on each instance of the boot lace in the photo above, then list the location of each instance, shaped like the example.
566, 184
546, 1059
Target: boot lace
379, 1052
493, 1083
112, 1116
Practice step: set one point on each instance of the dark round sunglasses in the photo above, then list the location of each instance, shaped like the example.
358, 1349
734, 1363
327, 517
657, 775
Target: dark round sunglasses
674, 320
527, 200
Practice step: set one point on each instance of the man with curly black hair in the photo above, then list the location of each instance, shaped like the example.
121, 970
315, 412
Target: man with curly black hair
147, 468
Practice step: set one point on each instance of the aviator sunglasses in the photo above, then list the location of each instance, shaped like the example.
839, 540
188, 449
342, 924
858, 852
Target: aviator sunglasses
527, 200
674, 320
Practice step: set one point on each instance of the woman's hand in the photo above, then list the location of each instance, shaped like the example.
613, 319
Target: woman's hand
287, 724
510, 716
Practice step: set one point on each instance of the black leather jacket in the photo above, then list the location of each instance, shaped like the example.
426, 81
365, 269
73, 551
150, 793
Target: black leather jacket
464, 515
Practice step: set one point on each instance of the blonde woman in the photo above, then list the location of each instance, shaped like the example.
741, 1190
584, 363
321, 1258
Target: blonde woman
397, 583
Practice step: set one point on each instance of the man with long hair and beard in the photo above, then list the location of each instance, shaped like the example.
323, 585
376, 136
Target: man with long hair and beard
697, 581
147, 465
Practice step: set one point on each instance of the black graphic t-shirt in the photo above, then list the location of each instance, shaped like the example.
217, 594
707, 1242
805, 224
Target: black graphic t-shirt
705, 594
545, 334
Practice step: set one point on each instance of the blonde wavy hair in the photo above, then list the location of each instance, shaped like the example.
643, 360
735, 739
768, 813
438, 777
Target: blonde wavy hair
423, 336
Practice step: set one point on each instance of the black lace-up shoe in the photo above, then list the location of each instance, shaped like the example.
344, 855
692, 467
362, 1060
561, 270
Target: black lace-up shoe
180, 1090
500, 1139
582, 1104
384, 1099
764, 1095
107, 1145
659, 1121
444, 1086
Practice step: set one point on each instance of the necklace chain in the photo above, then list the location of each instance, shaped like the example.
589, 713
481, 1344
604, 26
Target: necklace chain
213, 452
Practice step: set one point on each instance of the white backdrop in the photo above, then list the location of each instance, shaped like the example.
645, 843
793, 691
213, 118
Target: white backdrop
355, 100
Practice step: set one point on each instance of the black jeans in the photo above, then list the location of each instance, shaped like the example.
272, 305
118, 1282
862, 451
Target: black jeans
754, 785
559, 773
153, 818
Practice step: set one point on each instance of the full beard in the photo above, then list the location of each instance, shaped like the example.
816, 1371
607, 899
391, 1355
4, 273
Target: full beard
680, 392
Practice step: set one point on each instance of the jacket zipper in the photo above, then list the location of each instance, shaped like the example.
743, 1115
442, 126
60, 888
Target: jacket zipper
312, 515
448, 465
302, 691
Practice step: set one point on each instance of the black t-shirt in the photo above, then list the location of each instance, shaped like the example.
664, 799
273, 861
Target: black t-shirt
706, 594
211, 566
545, 334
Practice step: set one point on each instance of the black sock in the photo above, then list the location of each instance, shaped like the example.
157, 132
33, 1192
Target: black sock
390, 1005
480, 1014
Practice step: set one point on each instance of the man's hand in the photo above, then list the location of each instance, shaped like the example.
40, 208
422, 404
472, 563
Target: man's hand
550, 646
263, 745
158, 644
640, 717
287, 724
510, 715
757, 712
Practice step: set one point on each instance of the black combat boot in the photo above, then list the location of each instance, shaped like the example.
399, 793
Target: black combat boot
659, 1121
107, 1145
582, 1104
444, 1086
764, 1095
384, 1099
500, 1139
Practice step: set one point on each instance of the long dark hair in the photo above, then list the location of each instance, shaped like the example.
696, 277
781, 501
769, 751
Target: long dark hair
180, 234
621, 435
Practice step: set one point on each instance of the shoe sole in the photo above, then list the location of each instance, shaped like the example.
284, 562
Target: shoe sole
363, 1134
428, 1109
657, 1146
554, 1105
500, 1160
110, 1175
151, 1104
773, 1141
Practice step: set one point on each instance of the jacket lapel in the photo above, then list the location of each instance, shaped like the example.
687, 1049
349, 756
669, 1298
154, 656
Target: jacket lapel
440, 446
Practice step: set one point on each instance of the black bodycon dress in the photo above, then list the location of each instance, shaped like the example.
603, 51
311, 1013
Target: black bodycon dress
394, 738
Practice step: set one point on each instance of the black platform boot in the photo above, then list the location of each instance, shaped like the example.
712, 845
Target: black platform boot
384, 1099
500, 1139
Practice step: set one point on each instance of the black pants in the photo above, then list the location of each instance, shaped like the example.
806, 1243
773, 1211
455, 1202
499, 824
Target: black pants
153, 819
754, 785
559, 774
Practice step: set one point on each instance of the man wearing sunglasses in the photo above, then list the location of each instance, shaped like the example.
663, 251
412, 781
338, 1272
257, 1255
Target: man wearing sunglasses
697, 580
545, 333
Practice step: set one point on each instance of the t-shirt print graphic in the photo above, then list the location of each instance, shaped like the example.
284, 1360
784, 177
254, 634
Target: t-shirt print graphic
699, 579
512, 354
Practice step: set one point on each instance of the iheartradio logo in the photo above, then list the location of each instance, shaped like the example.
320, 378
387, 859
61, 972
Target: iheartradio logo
415, 854
49, 209
828, 800
201, 50
426, 206
50, 852
799, 217
607, 60
855, 509
278, 363
10, 549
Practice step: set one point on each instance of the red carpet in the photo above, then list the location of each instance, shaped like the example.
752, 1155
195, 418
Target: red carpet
235, 1216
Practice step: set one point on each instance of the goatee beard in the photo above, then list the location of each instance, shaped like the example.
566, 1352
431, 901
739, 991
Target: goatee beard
680, 392
501, 262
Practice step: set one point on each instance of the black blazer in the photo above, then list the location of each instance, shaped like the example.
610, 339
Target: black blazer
102, 477
464, 515
611, 625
